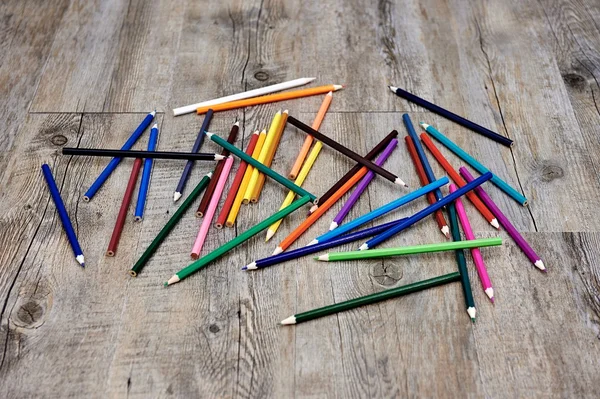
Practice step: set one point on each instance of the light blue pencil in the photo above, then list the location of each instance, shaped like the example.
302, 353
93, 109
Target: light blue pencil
146, 173
112, 165
380, 211
501, 184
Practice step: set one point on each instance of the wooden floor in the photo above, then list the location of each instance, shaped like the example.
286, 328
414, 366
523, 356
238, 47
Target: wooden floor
83, 73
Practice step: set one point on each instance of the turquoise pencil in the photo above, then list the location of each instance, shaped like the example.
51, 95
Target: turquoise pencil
501, 184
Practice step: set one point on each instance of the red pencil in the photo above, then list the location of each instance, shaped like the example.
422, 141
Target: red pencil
116, 234
237, 180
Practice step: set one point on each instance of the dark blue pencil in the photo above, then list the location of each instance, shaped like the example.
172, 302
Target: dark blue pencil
112, 165
373, 242
188, 166
146, 174
311, 249
62, 212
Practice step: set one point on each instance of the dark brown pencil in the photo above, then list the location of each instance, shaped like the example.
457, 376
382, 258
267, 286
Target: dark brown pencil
99, 152
216, 173
371, 155
346, 151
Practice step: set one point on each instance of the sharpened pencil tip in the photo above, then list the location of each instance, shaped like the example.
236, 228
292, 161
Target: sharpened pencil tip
540, 265
155, 126
80, 260
446, 231
424, 125
392, 88
153, 113
313, 208
333, 226
490, 293
313, 242
286, 111
472, 313
495, 223
277, 251
176, 196
288, 321
237, 123
363, 247
250, 266
270, 234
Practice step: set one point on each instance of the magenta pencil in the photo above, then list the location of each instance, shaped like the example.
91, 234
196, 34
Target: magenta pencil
504, 222
362, 186
475, 252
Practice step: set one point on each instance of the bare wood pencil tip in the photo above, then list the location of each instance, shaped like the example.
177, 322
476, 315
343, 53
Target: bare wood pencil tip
495, 223
392, 88
446, 231
155, 126
176, 196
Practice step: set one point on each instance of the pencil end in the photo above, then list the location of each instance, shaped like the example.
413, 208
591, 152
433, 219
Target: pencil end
446, 231
424, 125
153, 113
363, 247
393, 88
313, 209
288, 321
80, 260
313, 242
495, 223
155, 126
540, 265
176, 196
250, 266
173, 280
86, 198
132, 273
333, 226
472, 313
277, 251
490, 293
270, 234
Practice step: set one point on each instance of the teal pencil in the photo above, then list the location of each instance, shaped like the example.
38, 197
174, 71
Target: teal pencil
475, 164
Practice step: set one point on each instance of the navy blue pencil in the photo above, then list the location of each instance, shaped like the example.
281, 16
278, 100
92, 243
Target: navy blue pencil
373, 242
311, 249
112, 165
146, 174
62, 212
188, 166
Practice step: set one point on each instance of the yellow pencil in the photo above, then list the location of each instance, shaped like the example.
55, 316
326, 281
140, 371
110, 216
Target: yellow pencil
237, 202
308, 163
264, 152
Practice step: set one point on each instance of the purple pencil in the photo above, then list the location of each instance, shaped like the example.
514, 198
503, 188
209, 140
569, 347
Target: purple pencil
362, 186
504, 222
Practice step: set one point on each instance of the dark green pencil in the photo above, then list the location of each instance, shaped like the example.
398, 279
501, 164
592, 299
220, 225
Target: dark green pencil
462, 263
368, 299
139, 265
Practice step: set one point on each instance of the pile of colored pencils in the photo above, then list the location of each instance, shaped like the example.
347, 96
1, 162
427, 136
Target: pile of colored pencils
255, 166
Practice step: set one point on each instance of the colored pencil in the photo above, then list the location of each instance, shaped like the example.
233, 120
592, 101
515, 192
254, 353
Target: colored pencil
270, 156
97, 152
89, 194
210, 210
217, 173
205, 260
372, 243
455, 176
241, 96
361, 187
164, 232
62, 213
382, 210
239, 197
196, 148
504, 222
373, 298
475, 252
439, 217
346, 151
237, 181
258, 165
501, 184
371, 155
311, 249
122, 216
290, 95
309, 139
248, 192
146, 176
462, 264
452, 116
409, 250
262, 158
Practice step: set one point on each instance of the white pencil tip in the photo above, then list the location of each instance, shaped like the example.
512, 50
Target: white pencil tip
424, 125
490, 293
209, 174
313, 208
313, 242
286, 111
288, 321
155, 126
80, 260
270, 234
173, 280
363, 247
399, 182
176, 196
495, 223
392, 88
323, 257
251, 266
472, 313
446, 231
310, 79
333, 226
208, 134
153, 113
219, 157
337, 87
329, 94
263, 131
277, 251
237, 123
540, 265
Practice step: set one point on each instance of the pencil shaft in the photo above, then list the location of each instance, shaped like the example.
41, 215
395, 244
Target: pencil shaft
344, 150
261, 167
97, 152
122, 216
146, 176
112, 165
270, 156
378, 297
195, 148
370, 155
454, 117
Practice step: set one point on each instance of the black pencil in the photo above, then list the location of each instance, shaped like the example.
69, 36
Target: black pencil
346, 151
452, 116
96, 152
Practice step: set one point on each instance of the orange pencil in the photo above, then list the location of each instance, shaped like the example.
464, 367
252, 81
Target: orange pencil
313, 217
485, 212
309, 139
270, 98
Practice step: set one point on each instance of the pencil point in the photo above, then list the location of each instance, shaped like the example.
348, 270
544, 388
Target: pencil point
176, 196
310, 79
313, 208
288, 321
399, 182
270, 234
424, 125
237, 123
313, 242
363, 247
277, 251
446, 231
155, 126
392, 88
324, 257
208, 134
173, 280
490, 293
219, 157
540, 265
80, 260
495, 223
330, 94
153, 113
286, 112
338, 87
472, 313
333, 226
250, 266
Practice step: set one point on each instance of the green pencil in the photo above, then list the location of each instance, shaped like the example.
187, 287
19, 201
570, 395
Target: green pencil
139, 265
462, 263
368, 299
414, 249
260, 166
200, 263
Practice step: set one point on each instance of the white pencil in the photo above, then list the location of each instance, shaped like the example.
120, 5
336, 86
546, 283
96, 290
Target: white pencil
246, 94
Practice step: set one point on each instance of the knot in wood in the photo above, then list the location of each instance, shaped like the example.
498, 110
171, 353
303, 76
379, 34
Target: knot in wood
213, 328
29, 314
59, 140
386, 272
574, 80
551, 172
261, 76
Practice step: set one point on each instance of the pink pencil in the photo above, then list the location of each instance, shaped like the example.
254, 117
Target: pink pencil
477, 258
212, 207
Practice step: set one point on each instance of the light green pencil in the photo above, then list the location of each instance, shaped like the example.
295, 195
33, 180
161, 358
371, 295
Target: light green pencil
414, 249
223, 249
